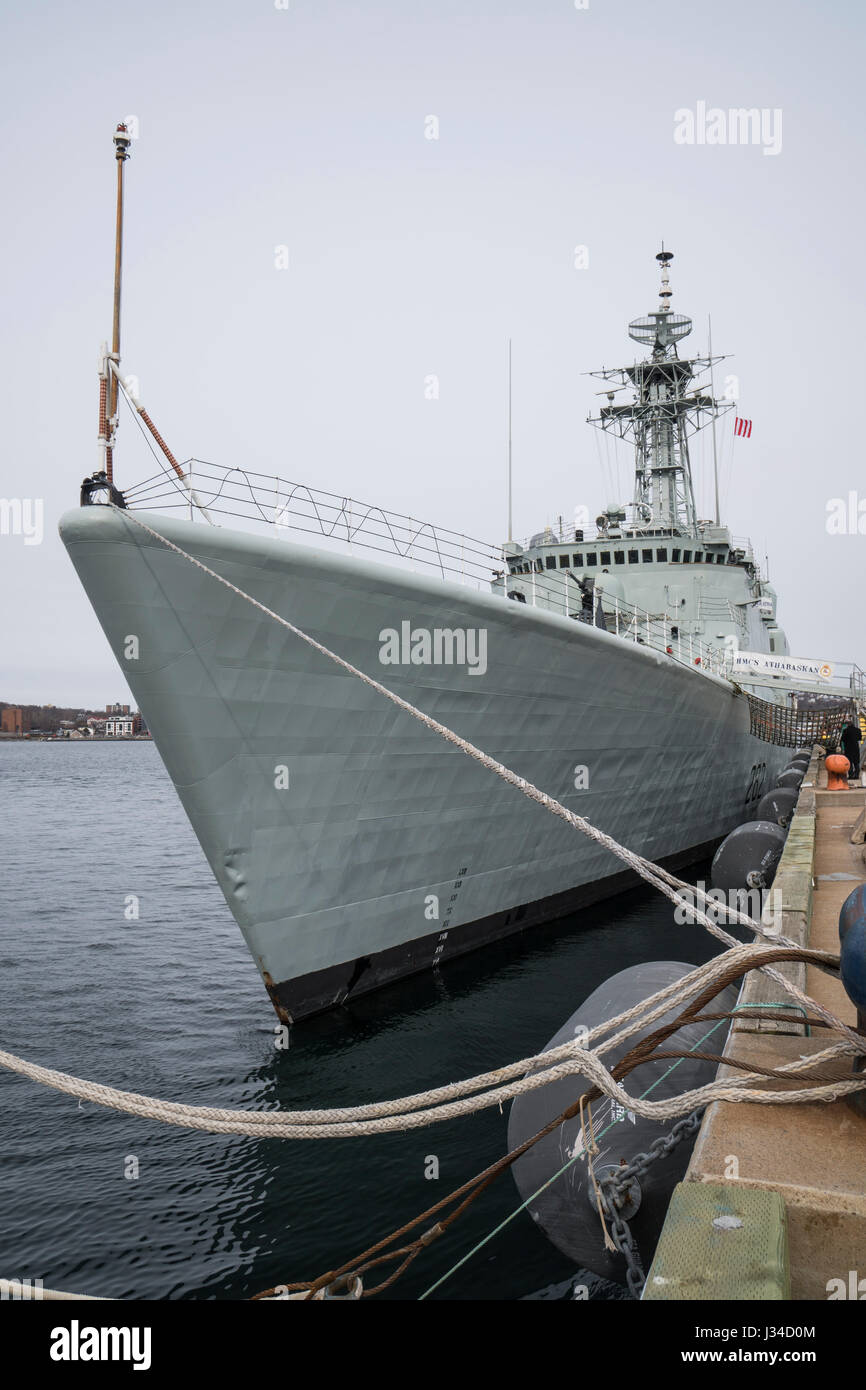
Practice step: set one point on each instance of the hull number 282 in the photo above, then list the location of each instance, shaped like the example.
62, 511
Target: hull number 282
757, 778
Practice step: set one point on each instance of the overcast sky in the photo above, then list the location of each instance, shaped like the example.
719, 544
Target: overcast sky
307, 127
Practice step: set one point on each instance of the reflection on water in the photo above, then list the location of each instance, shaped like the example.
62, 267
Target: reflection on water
170, 1004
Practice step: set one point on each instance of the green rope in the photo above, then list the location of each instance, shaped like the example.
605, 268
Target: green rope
563, 1169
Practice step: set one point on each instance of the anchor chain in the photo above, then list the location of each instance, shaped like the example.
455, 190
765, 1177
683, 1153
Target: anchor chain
616, 1189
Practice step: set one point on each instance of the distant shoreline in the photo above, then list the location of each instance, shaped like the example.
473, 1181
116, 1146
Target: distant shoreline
53, 738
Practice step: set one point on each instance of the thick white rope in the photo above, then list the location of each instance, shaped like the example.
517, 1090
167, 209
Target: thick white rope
638, 1018
653, 873
673, 888
276, 1125
452, 1101
25, 1291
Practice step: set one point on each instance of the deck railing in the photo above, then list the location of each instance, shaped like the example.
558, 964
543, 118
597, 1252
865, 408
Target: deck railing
294, 510
561, 593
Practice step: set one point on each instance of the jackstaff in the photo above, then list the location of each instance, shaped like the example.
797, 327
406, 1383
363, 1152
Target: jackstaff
122, 141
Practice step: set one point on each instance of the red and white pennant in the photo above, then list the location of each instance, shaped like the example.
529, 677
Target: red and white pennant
743, 428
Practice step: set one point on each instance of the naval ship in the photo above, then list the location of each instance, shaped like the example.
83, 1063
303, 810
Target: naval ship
352, 844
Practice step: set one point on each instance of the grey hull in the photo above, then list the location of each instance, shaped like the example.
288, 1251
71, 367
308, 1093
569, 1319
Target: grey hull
389, 850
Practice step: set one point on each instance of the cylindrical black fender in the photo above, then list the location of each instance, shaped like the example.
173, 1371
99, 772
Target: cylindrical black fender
749, 856
790, 777
777, 805
566, 1210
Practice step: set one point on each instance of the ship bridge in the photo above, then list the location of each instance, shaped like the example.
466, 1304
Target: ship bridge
654, 553
707, 588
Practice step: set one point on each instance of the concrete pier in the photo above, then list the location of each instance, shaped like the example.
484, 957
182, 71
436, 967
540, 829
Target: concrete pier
813, 1156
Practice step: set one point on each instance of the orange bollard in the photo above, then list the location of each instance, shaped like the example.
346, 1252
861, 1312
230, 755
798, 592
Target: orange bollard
837, 766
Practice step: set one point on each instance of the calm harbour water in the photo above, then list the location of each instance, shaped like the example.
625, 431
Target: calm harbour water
172, 1005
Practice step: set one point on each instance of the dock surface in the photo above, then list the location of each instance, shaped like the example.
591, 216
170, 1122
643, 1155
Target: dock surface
812, 1155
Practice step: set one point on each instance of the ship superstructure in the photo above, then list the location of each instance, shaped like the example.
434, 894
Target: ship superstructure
654, 555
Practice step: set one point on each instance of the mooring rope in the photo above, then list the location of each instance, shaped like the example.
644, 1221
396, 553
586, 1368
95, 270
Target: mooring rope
26, 1291
645, 1050
503, 1084
490, 1088
454, 1101
496, 1087
672, 887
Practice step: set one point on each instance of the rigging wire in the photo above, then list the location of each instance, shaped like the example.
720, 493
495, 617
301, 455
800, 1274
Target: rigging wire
600, 458
728, 444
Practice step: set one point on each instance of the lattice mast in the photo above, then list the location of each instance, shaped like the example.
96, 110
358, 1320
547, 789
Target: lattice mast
662, 415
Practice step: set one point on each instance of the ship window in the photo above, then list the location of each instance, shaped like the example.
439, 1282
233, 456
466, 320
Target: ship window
591, 558
605, 557
687, 557
577, 561
662, 554
619, 557
675, 555
633, 557
563, 562
720, 559
550, 561
699, 555
647, 557
538, 566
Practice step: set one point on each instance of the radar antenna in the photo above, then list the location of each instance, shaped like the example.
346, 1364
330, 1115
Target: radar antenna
665, 409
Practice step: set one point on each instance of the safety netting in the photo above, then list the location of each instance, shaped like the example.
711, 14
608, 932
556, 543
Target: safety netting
797, 728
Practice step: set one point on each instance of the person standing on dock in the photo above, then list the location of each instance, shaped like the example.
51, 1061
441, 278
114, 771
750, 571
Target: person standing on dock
850, 742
